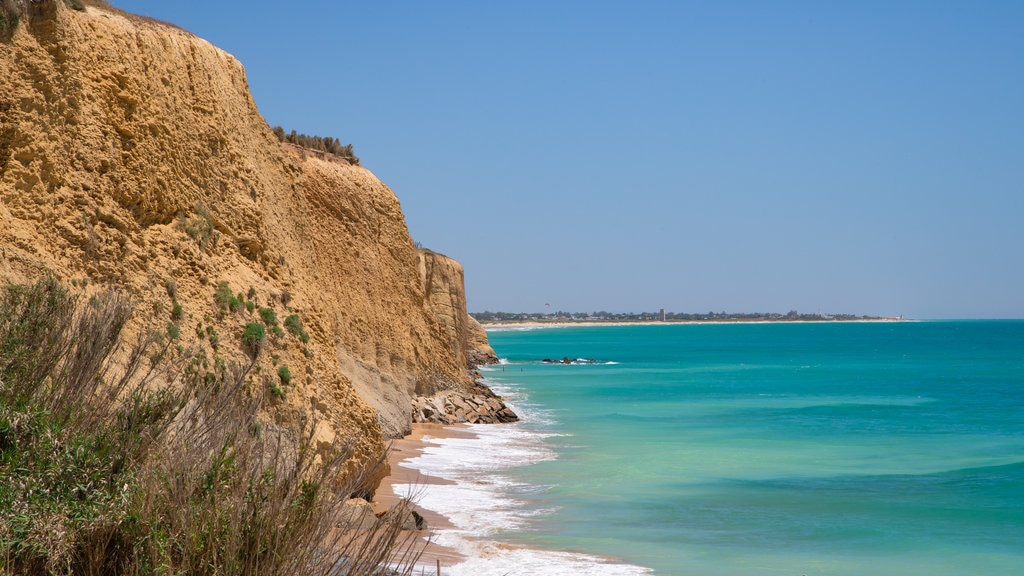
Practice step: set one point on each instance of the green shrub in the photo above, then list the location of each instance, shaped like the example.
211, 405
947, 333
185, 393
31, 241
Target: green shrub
173, 332
253, 336
275, 389
176, 310
294, 325
213, 337
268, 316
285, 375
225, 299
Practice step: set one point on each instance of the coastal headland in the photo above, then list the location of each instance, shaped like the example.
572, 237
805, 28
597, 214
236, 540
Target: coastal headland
134, 160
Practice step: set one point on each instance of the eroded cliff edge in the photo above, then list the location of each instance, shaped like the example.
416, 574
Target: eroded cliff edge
132, 155
444, 284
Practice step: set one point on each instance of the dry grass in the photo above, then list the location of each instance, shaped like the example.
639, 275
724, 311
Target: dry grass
108, 471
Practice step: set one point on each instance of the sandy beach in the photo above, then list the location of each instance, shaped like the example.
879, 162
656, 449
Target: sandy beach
404, 449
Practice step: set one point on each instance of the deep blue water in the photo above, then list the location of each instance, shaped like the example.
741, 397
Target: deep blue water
833, 448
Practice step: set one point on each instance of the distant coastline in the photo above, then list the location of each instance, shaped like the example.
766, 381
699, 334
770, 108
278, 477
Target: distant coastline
497, 320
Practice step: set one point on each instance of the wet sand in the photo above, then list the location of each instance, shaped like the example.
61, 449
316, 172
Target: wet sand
405, 449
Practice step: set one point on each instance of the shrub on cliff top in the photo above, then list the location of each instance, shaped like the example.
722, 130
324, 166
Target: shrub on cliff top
13, 11
326, 144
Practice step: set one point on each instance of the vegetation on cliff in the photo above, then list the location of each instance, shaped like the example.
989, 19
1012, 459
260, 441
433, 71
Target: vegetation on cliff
12, 11
326, 144
127, 459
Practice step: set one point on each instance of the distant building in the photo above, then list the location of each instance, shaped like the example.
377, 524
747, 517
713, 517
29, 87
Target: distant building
662, 314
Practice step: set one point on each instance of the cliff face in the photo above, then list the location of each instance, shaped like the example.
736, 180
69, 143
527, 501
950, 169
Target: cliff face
444, 284
132, 155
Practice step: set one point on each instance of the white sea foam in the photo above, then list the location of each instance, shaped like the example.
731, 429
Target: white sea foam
486, 558
502, 362
483, 500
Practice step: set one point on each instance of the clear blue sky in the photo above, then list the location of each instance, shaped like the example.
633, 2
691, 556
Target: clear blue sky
857, 157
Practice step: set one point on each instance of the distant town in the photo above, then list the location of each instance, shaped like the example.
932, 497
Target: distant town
662, 316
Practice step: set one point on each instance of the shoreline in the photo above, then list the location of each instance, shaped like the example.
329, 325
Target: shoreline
406, 448
605, 323
462, 552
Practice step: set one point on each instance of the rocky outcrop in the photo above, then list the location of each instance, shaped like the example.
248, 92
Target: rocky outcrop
479, 405
132, 155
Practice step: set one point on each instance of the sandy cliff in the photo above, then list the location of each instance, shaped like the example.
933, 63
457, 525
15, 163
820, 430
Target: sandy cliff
444, 284
133, 155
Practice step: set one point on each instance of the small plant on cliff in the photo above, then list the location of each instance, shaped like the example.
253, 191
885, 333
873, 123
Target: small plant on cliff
268, 316
285, 375
176, 310
253, 337
294, 325
214, 338
275, 389
225, 299
199, 226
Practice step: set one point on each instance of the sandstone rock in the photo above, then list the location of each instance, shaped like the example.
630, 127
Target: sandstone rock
406, 518
357, 514
444, 282
478, 406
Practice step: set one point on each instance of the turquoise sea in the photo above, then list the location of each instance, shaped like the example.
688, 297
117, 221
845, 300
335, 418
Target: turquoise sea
743, 449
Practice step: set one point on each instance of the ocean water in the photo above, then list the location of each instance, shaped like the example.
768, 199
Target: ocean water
774, 449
